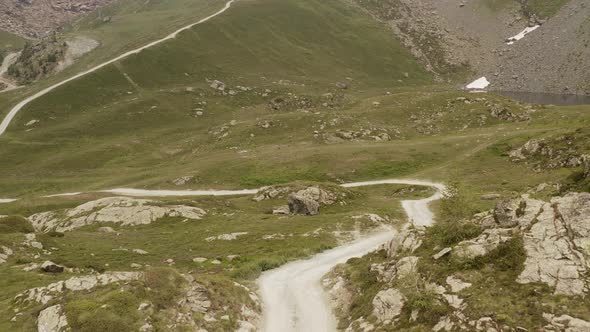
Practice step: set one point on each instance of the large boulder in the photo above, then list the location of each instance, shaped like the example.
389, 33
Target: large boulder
52, 319
308, 201
51, 267
388, 304
299, 204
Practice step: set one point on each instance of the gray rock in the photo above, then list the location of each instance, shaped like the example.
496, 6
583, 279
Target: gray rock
558, 245
442, 253
506, 212
408, 240
51, 267
388, 304
490, 197
282, 210
125, 211
489, 240
106, 230
456, 284
301, 204
586, 163
52, 319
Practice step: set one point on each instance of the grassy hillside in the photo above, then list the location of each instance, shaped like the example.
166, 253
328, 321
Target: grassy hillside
9, 42
141, 112
314, 91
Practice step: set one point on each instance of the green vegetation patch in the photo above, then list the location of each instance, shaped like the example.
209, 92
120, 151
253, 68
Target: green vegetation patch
15, 224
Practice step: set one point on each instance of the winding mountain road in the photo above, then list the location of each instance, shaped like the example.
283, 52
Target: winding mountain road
10, 116
292, 295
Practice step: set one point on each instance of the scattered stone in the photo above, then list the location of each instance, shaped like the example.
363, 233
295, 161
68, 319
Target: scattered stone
32, 122
490, 197
5, 253
281, 210
140, 251
456, 284
106, 230
217, 85
342, 85
199, 260
442, 253
181, 181
226, 237
232, 257
51, 267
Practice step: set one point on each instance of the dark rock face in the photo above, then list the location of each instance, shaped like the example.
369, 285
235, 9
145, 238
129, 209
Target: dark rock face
300, 204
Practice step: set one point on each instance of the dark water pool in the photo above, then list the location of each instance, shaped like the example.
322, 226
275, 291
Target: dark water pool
546, 98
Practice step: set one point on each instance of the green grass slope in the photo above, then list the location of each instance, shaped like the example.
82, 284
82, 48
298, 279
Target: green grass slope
138, 114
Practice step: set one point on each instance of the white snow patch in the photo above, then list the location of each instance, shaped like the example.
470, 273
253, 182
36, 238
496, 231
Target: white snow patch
64, 194
478, 84
7, 200
521, 34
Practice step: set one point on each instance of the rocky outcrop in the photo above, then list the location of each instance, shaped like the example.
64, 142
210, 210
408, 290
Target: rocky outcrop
563, 151
566, 323
489, 240
119, 210
558, 245
52, 319
586, 161
556, 238
47, 293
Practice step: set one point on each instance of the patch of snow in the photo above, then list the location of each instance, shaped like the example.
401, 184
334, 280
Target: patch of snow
478, 84
7, 200
64, 194
521, 34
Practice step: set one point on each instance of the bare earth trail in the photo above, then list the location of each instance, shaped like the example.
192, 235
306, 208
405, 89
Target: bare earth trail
10, 116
